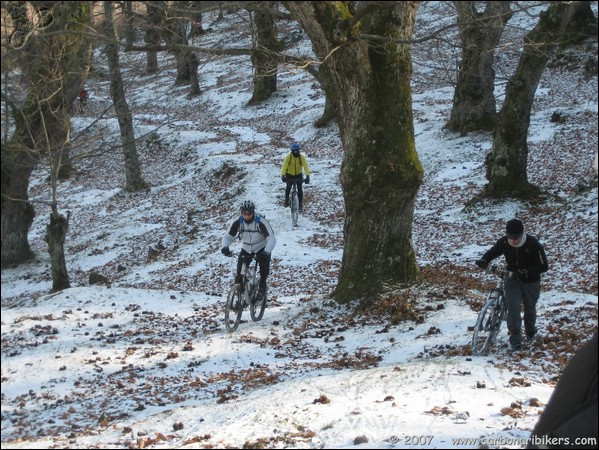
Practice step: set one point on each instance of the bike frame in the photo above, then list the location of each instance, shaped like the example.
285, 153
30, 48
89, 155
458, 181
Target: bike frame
243, 295
294, 202
493, 312
248, 273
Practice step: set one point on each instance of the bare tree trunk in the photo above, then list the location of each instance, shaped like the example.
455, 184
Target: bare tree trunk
506, 162
381, 172
194, 80
134, 178
474, 105
328, 113
56, 233
151, 60
153, 34
130, 32
177, 31
264, 59
196, 17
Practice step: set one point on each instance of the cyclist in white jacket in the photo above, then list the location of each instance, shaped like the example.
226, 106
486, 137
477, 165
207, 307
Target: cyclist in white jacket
258, 239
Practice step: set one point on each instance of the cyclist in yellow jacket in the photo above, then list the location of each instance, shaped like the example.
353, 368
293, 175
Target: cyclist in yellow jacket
291, 172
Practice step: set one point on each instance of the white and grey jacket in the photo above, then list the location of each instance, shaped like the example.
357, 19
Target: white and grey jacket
255, 235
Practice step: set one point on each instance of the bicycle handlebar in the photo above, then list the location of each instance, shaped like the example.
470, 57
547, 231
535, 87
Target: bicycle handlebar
249, 256
500, 271
294, 181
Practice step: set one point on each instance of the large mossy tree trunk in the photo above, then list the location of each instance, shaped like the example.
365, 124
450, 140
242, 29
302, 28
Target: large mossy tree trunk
506, 162
381, 172
474, 106
17, 212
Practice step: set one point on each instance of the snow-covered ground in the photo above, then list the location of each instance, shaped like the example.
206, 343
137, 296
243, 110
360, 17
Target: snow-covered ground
145, 361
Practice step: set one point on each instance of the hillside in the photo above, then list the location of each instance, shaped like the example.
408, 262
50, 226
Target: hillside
146, 361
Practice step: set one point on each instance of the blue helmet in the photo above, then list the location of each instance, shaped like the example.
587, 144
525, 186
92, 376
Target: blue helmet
295, 147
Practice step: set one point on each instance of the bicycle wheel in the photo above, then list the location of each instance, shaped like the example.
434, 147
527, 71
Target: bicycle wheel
257, 308
484, 330
500, 312
294, 209
234, 308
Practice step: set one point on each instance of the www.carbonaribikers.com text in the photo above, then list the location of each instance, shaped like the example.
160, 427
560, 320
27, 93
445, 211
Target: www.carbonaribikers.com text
537, 441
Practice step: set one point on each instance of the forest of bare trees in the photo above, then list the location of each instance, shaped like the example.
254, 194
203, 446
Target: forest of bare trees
362, 61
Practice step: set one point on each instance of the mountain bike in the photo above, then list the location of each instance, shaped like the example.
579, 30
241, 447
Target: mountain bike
294, 203
245, 295
493, 312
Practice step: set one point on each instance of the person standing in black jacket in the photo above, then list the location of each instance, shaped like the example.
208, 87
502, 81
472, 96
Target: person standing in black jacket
525, 258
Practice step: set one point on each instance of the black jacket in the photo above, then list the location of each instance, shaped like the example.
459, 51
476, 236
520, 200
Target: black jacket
530, 256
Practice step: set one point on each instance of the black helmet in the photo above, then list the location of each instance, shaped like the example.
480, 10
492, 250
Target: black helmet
295, 147
247, 206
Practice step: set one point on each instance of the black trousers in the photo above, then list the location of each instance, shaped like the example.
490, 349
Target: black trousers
263, 263
297, 179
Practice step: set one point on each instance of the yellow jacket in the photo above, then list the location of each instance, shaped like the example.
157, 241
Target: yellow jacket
293, 166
